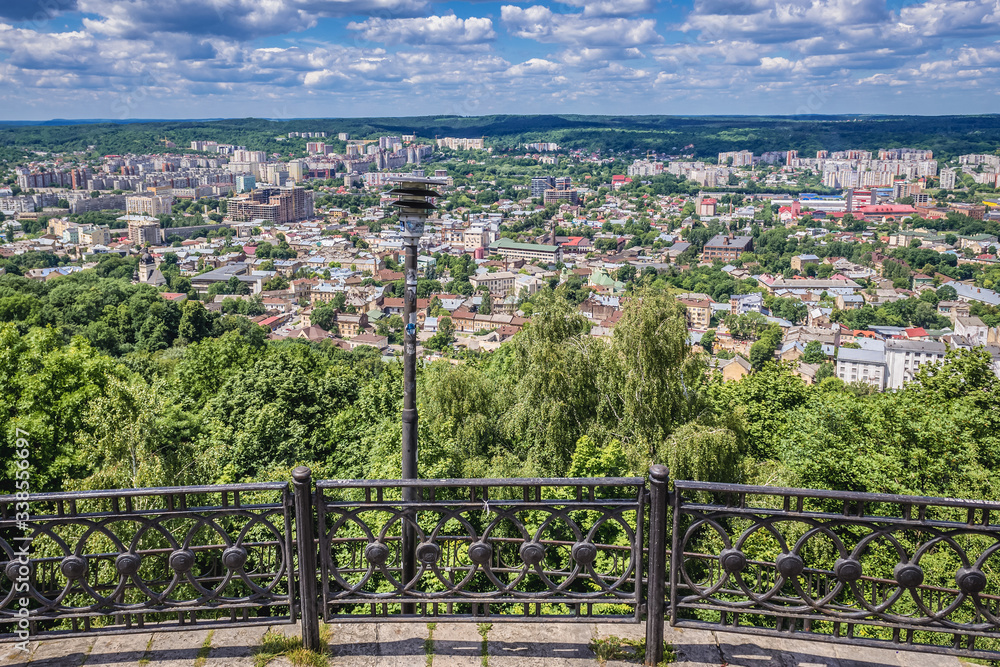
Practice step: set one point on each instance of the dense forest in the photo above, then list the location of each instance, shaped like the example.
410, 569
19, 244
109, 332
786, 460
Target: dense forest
947, 136
120, 388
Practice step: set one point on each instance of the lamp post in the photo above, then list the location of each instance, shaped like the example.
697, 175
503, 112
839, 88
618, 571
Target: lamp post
414, 209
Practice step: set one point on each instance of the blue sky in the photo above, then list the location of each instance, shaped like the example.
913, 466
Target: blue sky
301, 58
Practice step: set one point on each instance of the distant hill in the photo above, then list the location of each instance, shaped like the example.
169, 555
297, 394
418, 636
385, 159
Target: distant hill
946, 135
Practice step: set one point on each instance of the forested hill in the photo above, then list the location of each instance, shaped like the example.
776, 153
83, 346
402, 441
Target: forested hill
947, 136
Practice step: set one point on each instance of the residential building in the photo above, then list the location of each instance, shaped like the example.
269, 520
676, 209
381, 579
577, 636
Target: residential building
972, 328
904, 357
698, 313
726, 248
151, 206
277, 205
144, 230
741, 304
867, 366
799, 261
499, 284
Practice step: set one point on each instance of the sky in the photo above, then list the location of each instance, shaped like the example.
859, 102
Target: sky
129, 59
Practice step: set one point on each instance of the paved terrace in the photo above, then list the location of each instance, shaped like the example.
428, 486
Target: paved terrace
455, 645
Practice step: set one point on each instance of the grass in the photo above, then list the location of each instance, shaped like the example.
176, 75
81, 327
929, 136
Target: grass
484, 631
627, 650
206, 648
429, 644
274, 644
144, 660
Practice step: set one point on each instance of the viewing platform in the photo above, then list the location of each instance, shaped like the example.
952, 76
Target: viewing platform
456, 645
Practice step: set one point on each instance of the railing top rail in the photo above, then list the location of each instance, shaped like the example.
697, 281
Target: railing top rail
479, 483
684, 485
147, 492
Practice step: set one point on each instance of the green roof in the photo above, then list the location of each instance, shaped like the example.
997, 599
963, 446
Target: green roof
514, 245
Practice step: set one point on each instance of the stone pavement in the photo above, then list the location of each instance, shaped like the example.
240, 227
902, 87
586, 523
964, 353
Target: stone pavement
454, 645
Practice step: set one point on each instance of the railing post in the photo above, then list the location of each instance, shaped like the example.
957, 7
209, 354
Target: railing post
305, 533
655, 597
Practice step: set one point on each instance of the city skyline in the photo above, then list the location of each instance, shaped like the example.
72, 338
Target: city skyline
341, 58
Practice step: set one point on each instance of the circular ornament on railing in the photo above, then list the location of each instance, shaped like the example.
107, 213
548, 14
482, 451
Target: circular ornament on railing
970, 580
376, 553
428, 553
234, 557
908, 575
74, 567
790, 565
480, 553
584, 553
13, 569
531, 553
181, 561
128, 564
732, 560
847, 569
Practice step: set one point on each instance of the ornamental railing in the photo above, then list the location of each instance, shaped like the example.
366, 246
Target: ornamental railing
123, 561
876, 570
870, 569
510, 549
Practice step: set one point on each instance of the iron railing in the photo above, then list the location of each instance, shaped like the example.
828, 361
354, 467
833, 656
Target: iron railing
121, 561
869, 569
515, 549
866, 569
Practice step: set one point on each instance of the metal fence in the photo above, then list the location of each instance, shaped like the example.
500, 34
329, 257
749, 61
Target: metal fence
869, 569
525, 549
120, 561
866, 569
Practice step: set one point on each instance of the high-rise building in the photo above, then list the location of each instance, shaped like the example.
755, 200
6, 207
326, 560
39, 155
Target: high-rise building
277, 205
143, 230
947, 179
540, 184
245, 183
151, 206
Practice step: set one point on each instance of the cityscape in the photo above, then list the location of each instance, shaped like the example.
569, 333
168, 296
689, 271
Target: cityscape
474, 334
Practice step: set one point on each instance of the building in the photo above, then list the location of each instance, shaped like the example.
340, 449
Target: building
866, 366
741, 304
800, 261
540, 184
706, 207
151, 206
461, 144
973, 329
245, 183
698, 313
276, 205
499, 284
904, 357
947, 179
568, 196
528, 251
143, 230
726, 248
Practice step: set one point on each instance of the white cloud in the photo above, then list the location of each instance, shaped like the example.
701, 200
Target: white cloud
543, 25
441, 30
533, 67
612, 7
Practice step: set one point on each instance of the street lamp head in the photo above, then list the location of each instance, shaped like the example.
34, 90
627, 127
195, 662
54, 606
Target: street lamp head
414, 207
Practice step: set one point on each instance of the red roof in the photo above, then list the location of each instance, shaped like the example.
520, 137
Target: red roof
573, 241
915, 332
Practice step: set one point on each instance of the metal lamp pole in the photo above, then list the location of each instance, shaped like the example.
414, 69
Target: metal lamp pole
414, 209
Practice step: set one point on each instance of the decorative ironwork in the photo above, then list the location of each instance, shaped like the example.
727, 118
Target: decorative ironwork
119, 561
507, 549
836, 566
